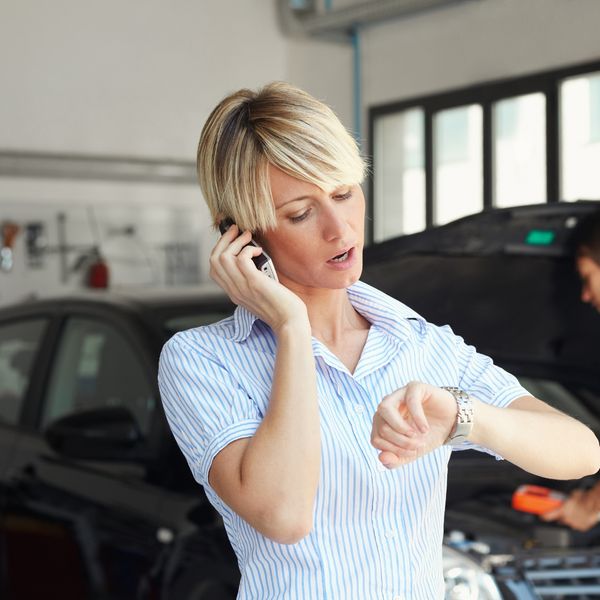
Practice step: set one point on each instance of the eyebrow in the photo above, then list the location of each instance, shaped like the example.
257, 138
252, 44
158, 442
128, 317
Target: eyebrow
304, 197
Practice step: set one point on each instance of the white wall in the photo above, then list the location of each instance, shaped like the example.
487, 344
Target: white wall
476, 41
131, 78
135, 78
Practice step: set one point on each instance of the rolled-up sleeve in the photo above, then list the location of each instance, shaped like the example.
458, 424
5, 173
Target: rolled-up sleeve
205, 406
482, 379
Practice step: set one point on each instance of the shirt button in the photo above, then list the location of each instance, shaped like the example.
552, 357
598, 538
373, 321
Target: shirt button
398, 597
390, 534
381, 467
359, 408
338, 387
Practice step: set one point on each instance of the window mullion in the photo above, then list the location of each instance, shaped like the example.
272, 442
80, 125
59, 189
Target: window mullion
553, 192
429, 167
488, 156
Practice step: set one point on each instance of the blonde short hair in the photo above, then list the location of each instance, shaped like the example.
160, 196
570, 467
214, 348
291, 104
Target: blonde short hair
281, 125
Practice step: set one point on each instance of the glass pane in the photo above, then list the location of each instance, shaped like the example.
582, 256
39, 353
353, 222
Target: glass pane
399, 203
519, 131
19, 343
458, 163
96, 367
580, 137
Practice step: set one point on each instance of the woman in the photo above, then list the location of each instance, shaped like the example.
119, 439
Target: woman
315, 417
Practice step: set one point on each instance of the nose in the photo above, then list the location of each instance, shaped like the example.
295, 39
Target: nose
334, 223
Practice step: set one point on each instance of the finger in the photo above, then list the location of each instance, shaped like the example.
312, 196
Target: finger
223, 261
385, 433
246, 264
551, 515
390, 411
226, 238
383, 444
414, 399
392, 460
237, 244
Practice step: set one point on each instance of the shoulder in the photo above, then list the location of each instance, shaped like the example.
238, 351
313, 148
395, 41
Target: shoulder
205, 340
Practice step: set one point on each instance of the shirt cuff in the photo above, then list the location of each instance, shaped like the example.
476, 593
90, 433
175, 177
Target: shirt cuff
236, 431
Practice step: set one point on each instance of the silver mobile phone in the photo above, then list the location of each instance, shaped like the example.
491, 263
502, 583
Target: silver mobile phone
263, 261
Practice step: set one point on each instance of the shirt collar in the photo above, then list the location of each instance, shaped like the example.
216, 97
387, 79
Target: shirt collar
378, 308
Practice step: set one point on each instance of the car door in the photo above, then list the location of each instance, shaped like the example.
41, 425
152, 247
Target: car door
87, 529
20, 342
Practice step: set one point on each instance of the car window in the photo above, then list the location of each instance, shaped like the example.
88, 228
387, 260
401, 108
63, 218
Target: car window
19, 343
573, 400
97, 367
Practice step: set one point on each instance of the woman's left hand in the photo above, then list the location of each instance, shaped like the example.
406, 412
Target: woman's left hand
412, 421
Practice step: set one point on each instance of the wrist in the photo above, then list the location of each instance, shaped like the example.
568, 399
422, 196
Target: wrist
297, 326
462, 427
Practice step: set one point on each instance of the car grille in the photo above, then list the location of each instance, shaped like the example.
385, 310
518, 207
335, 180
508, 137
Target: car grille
553, 577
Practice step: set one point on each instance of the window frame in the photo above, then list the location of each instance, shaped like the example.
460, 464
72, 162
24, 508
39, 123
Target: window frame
27, 393
486, 94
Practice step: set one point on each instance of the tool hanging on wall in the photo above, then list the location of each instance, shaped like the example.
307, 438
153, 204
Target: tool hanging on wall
8, 234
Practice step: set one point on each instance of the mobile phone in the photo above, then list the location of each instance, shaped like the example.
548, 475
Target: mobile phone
263, 261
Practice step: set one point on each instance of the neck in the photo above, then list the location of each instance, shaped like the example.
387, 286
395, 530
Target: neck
331, 314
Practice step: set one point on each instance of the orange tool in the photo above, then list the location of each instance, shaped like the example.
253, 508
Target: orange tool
536, 499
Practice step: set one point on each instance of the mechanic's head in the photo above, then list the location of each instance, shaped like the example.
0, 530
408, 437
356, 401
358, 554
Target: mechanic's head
279, 125
586, 243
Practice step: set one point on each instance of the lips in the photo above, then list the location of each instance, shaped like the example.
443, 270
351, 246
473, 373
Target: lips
342, 255
345, 260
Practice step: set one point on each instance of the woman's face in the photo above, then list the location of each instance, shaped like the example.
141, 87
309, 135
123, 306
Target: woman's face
313, 227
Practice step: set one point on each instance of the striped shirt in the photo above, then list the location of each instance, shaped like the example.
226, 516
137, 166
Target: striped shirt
377, 533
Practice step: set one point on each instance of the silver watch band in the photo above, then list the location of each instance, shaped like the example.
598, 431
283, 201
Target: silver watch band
464, 416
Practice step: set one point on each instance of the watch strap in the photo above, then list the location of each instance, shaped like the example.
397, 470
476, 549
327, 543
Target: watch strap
464, 416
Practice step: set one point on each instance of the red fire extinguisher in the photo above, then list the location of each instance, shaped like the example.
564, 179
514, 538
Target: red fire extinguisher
98, 272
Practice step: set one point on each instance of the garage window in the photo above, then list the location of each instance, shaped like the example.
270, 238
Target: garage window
580, 135
400, 188
526, 140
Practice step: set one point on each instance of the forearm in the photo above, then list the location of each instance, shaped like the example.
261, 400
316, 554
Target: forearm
280, 467
543, 442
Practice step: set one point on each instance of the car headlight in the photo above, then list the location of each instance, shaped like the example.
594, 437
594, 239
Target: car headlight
465, 578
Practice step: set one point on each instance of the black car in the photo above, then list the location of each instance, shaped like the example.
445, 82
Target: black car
96, 501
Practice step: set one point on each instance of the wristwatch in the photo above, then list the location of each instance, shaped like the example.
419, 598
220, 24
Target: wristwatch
464, 416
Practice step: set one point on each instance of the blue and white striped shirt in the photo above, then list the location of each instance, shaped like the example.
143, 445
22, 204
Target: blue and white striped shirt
377, 534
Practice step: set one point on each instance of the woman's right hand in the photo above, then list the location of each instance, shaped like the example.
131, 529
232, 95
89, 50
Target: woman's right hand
231, 266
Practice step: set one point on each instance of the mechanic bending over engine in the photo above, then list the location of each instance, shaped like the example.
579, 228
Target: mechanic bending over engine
581, 510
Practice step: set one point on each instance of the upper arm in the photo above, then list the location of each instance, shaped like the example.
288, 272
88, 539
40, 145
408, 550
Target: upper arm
205, 405
533, 404
225, 475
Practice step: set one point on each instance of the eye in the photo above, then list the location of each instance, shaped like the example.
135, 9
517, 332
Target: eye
344, 196
300, 217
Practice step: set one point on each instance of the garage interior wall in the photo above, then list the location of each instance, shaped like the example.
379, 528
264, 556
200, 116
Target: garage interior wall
125, 79
138, 79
